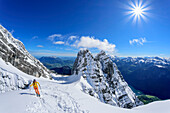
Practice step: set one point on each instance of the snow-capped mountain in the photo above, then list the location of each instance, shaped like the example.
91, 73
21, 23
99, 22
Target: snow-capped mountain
104, 80
14, 52
157, 61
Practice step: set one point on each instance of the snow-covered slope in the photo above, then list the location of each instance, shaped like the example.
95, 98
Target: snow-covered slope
13, 51
103, 80
62, 95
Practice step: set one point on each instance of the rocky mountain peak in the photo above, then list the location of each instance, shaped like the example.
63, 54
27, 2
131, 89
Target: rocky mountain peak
105, 81
14, 52
83, 56
84, 53
102, 53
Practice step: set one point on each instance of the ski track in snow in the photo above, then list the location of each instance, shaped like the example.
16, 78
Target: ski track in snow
58, 101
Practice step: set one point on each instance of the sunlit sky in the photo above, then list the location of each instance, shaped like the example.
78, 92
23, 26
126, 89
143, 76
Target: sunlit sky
62, 27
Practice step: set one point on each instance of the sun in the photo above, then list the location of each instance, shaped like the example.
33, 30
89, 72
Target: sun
138, 10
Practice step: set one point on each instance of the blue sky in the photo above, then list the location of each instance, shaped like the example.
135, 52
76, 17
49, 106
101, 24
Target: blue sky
62, 27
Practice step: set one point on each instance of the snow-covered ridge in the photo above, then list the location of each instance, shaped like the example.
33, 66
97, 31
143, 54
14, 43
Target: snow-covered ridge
103, 80
13, 51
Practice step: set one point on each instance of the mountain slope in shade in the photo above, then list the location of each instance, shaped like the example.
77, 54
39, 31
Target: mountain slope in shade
13, 51
145, 73
65, 70
105, 81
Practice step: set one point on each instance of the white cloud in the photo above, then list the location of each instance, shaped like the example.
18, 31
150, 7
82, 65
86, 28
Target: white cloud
40, 46
34, 37
52, 37
58, 42
90, 42
72, 37
70, 40
139, 41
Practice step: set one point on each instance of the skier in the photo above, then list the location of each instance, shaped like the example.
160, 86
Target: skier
35, 85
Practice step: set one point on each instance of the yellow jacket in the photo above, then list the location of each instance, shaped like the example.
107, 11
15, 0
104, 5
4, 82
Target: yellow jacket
35, 84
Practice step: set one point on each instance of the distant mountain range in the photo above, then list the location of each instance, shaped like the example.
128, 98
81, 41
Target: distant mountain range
53, 62
60, 65
151, 75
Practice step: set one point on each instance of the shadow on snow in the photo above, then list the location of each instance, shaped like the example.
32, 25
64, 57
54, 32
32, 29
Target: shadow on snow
27, 93
68, 79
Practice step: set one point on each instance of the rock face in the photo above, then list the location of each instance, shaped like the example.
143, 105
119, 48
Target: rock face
105, 80
13, 51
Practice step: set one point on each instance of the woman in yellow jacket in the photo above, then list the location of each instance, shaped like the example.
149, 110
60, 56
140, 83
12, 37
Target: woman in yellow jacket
35, 85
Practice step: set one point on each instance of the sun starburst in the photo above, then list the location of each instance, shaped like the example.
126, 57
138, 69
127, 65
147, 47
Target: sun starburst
138, 10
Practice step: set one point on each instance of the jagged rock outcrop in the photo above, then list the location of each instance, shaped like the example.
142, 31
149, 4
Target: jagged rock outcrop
13, 51
105, 80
